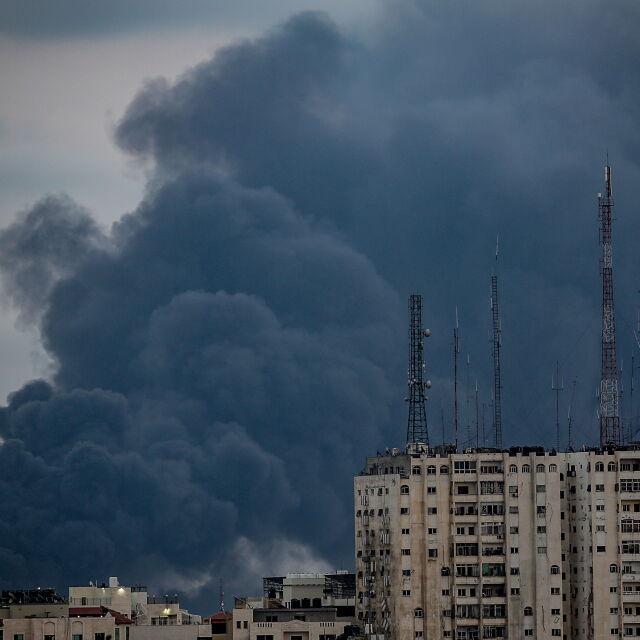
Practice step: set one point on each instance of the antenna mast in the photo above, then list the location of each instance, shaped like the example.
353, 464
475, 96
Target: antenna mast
609, 399
557, 385
569, 418
456, 351
417, 432
497, 386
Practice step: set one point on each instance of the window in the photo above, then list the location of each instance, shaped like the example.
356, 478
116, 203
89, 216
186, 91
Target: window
528, 632
406, 593
599, 487
615, 632
418, 634
98, 636
528, 611
431, 470
404, 511
515, 591
555, 569
540, 488
601, 548
75, 636
526, 468
432, 531
406, 552
553, 467
416, 471
599, 466
47, 636
513, 529
599, 507
541, 529
432, 510
405, 532
464, 466
406, 572
431, 489
433, 553
613, 568
514, 571
514, 549
444, 469
419, 613
513, 468
20, 636
513, 491
238, 625
556, 632
404, 489
445, 592
541, 510
612, 466
513, 509
555, 591
491, 487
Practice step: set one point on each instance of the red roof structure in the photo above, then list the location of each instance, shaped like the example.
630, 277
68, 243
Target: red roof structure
219, 617
98, 612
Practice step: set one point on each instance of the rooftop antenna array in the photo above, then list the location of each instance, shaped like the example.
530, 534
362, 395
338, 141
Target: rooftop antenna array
417, 432
557, 385
496, 342
609, 411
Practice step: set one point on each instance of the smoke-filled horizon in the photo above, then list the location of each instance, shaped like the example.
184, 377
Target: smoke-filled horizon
229, 351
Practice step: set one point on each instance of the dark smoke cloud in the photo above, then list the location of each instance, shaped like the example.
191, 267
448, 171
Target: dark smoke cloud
215, 358
230, 352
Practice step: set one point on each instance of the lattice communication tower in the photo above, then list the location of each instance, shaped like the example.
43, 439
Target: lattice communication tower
609, 396
417, 432
497, 384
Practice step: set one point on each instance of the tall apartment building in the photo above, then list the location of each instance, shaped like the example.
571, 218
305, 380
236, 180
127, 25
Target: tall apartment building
523, 543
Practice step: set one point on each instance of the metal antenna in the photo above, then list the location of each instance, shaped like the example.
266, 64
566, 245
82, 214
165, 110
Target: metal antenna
221, 597
477, 418
630, 432
456, 351
557, 386
609, 400
442, 420
496, 341
569, 418
468, 400
417, 432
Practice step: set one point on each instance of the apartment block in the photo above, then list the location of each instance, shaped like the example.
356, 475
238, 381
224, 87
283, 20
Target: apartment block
524, 543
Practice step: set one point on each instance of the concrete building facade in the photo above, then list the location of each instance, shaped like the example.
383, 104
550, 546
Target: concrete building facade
522, 543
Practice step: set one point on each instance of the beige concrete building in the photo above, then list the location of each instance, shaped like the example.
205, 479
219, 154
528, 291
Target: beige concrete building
499, 544
299, 606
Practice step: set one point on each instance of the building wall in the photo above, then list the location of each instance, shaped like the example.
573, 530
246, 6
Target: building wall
37, 628
499, 544
117, 598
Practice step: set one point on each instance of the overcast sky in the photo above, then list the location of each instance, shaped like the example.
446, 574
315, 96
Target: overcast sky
213, 213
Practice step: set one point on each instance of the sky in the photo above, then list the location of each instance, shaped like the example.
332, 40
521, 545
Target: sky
212, 216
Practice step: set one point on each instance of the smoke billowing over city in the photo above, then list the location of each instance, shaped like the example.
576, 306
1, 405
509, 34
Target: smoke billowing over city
225, 353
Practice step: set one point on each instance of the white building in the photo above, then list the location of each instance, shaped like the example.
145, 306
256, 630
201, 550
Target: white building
519, 544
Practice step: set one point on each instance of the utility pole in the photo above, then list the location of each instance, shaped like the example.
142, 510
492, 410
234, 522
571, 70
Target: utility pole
609, 398
417, 432
557, 386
